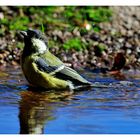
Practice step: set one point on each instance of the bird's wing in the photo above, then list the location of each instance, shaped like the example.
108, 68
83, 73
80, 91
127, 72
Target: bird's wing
69, 74
61, 72
45, 67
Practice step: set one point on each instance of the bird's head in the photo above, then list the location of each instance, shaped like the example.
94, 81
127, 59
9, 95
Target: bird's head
35, 41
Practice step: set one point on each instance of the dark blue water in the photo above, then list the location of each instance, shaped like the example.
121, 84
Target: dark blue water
94, 111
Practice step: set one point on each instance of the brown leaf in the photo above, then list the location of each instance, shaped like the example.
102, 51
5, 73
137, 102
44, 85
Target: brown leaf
119, 62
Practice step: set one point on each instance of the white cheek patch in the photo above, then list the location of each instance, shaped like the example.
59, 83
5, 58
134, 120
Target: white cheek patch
41, 46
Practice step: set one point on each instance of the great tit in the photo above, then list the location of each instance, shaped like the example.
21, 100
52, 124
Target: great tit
43, 69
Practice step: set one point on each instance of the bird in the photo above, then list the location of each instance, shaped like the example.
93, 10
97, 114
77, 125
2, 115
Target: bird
43, 69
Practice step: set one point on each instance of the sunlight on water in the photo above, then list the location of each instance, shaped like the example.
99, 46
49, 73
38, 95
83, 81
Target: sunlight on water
97, 111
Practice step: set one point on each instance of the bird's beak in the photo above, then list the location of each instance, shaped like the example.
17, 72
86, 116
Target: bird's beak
23, 34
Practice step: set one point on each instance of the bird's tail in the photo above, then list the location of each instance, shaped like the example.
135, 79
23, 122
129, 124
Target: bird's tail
98, 85
92, 85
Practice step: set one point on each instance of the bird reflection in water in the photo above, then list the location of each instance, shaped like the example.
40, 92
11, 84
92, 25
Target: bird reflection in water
36, 109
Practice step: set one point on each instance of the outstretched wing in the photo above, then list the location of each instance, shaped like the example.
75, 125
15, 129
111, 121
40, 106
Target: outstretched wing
61, 72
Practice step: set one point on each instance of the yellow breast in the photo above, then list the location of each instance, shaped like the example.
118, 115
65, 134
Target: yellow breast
39, 78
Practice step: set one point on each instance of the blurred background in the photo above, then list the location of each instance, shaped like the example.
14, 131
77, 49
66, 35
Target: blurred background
87, 36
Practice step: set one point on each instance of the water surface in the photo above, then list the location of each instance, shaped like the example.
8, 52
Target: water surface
94, 111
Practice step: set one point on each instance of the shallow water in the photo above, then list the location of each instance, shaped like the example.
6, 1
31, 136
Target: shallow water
94, 111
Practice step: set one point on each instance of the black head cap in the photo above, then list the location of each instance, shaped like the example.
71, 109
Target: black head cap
30, 33
34, 33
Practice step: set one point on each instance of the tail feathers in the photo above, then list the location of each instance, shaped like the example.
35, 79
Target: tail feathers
100, 86
92, 85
